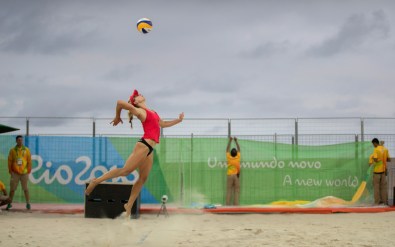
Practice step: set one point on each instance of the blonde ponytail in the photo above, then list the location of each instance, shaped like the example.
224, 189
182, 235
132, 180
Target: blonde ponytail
130, 119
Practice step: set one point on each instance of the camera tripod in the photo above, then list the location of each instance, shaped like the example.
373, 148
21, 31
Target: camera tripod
163, 209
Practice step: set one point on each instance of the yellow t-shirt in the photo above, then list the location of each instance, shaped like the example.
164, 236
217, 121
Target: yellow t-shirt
233, 163
378, 153
371, 159
19, 160
2, 186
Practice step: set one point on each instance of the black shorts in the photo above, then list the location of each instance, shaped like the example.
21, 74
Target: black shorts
142, 140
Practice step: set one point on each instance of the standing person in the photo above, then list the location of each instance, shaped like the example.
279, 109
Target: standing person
379, 178
4, 199
141, 157
19, 167
386, 158
233, 173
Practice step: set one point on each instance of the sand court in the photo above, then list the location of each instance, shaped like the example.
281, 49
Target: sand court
205, 229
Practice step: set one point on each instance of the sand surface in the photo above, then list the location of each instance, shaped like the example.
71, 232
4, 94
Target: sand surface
350, 229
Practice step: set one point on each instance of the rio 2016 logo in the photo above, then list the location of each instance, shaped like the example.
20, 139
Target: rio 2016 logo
64, 174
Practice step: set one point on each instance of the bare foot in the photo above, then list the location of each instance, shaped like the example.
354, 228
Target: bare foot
91, 186
128, 210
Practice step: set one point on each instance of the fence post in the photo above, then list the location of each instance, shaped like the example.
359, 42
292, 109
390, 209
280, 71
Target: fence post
295, 147
362, 131
275, 145
94, 128
181, 168
296, 132
190, 171
229, 128
356, 147
27, 126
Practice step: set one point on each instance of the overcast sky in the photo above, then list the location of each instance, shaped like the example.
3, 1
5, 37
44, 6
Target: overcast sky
231, 59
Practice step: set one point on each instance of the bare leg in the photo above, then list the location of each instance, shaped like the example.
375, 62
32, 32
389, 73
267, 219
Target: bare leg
27, 197
24, 181
12, 192
228, 189
376, 188
384, 189
237, 191
14, 181
131, 164
144, 171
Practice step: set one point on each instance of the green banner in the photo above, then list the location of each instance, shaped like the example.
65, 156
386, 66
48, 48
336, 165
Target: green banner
192, 170
269, 171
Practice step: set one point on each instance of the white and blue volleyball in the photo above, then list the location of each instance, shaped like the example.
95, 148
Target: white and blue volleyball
144, 25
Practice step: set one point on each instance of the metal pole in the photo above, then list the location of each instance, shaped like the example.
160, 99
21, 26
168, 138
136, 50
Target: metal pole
182, 183
275, 144
94, 128
190, 171
296, 132
295, 147
94, 142
362, 131
356, 147
229, 128
27, 126
363, 150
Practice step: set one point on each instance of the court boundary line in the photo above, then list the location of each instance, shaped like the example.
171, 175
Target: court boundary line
154, 209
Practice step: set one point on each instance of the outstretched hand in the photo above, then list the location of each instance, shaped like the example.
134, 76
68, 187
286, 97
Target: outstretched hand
181, 116
116, 121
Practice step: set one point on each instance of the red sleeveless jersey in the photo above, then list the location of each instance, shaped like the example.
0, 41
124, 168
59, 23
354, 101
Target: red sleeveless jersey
151, 126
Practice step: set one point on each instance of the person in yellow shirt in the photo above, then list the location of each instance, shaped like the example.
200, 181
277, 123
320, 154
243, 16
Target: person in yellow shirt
19, 167
379, 178
387, 157
4, 199
233, 173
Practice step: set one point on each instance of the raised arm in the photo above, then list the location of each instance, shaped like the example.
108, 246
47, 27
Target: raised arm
228, 146
237, 145
123, 105
371, 160
165, 124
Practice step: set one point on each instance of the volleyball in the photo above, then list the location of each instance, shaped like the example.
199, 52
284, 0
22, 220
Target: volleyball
144, 25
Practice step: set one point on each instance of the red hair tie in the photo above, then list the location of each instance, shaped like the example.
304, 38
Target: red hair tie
134, 94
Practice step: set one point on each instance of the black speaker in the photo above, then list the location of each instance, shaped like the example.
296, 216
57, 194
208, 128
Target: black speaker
107, 200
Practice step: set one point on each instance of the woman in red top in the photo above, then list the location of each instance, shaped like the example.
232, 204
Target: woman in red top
141, 157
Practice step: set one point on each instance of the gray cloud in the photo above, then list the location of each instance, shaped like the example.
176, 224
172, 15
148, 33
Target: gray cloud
206, 58
266, 50
39, 27
357, 30
124, 73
